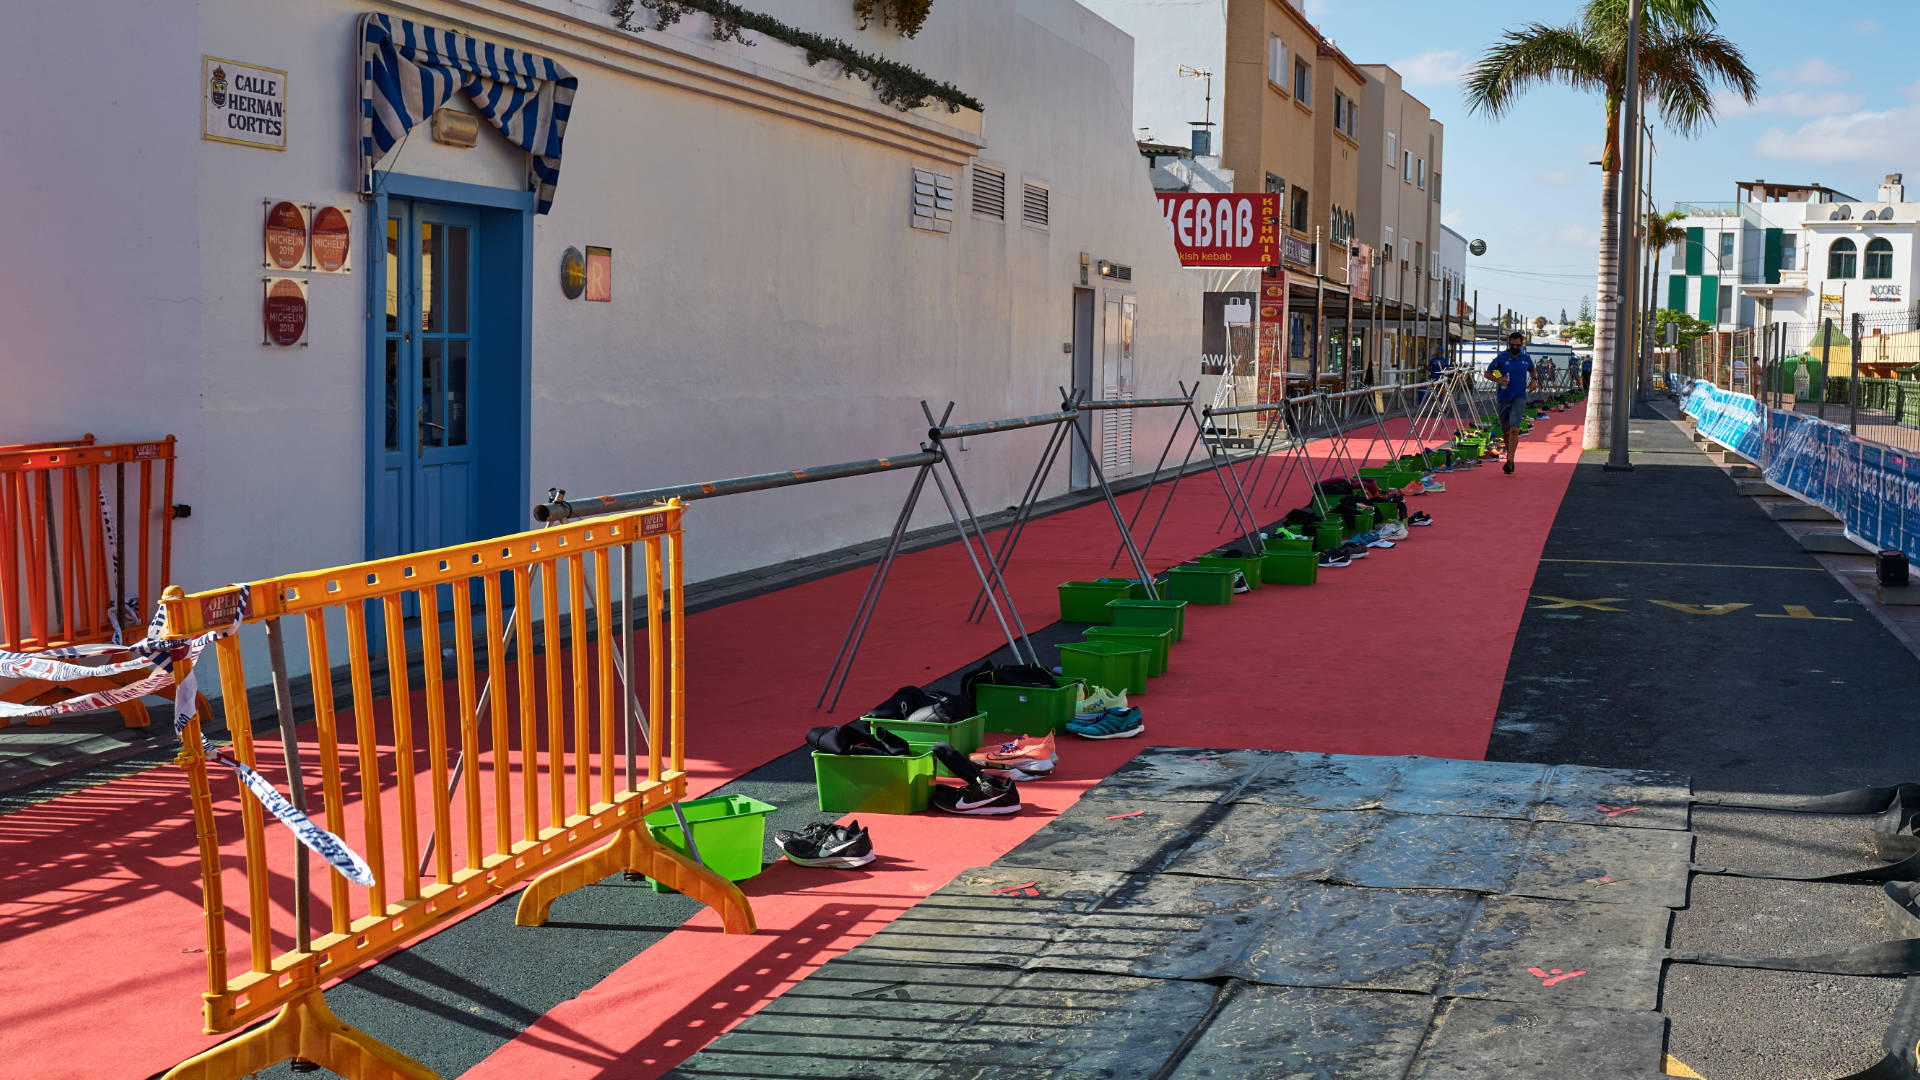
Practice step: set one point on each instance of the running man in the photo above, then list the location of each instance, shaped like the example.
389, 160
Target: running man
1509, 373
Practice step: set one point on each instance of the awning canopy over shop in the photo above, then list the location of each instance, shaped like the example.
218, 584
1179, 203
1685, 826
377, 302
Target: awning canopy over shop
408, 71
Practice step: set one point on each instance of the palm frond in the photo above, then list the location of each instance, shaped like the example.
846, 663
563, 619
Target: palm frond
1680, 69
1533, 55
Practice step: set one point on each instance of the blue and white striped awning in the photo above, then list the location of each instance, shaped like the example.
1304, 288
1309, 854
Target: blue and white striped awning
409, 70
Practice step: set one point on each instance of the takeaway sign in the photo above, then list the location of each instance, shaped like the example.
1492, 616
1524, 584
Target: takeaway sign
244, 104
1223, 230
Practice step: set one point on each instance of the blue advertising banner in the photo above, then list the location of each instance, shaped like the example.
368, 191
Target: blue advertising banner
1874, 490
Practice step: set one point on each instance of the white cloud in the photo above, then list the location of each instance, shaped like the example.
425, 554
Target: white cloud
1436, 67
1557, 178
1866, 26
1813, 71
1913, 90
1316, 9
1453, 219
1855, 136
1793, 103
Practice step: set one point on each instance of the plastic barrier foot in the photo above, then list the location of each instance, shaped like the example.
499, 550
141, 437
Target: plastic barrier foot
305, 1029
635, 850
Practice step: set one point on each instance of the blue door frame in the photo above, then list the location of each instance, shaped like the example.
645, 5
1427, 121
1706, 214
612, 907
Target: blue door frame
500, 338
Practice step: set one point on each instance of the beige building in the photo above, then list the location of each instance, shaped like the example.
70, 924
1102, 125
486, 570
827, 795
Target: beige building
1402, 147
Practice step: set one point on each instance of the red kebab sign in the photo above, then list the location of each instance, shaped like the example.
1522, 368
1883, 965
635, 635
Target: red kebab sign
1223, 230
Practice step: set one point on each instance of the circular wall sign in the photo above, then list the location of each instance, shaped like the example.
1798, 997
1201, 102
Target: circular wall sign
286, 234
1478, 247
286, 312
331, 239
573, 273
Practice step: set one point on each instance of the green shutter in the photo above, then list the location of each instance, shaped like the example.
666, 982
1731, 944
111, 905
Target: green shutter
1710, 298
1677, 292
1696, 243
1775, 238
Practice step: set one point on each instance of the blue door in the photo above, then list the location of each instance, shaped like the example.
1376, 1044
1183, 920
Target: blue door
430, 364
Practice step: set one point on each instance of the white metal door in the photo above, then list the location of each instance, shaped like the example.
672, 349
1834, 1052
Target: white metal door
1116, 384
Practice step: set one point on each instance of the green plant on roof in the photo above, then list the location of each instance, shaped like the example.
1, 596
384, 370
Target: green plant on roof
906, 16
893, 82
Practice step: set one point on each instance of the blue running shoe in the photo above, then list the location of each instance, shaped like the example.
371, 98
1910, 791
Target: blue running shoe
1112, 724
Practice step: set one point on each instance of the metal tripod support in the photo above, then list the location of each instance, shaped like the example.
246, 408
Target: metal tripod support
1223, 471
1066, 427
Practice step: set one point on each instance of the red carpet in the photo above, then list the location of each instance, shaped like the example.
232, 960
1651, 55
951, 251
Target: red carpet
105, 882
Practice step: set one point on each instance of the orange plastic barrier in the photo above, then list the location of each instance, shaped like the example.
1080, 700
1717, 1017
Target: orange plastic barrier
81, 525
505, 753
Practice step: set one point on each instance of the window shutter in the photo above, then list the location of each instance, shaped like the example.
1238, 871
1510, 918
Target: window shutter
989, 192
932, 201
1034, 209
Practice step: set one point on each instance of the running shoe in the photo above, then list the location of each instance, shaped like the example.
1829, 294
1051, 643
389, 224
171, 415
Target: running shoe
986, 797
1394, 531
1379, 541
1334, 558
1420, 517
1352, 550
1434, 485
1095, 700
826, 845
1415, 488
1030, 754
1240, 583
1112, 724
1507, 468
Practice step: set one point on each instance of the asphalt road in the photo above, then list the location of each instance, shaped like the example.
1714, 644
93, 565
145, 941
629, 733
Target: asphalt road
1674, 626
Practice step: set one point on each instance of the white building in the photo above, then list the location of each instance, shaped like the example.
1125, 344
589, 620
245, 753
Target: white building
792, 266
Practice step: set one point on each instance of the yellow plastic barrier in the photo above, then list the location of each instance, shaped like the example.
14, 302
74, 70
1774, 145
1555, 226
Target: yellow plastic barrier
496, 708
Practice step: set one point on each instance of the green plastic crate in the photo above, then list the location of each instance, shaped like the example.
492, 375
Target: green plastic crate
1246, 564
1290, 568
1135, 590
1392, 478
1086, 601
1287, 543
1200, 585
1165, 614
1029, 710
1157, 639
1362, 522
862, 784
1111, 664
730, 830
966, 736
1328, 533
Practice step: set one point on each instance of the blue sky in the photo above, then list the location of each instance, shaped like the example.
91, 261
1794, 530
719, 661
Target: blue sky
1839, 105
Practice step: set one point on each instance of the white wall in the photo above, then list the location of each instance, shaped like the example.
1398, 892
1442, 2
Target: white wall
772, 308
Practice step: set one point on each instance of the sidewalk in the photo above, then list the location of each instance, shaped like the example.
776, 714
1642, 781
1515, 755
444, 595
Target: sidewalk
1674, 625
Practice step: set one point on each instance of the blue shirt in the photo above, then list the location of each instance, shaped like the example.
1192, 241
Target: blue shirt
1436, 365
1586, 364
1515, 368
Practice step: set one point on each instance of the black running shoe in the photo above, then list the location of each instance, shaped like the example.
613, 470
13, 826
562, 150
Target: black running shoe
1507, 468
1334, 558
985, 797
1352, 550
1420, 517
824, 844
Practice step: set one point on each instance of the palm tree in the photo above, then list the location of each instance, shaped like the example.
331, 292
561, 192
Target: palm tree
1658, 232
1681, 59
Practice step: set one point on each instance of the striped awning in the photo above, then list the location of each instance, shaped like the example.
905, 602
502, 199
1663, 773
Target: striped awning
409, 70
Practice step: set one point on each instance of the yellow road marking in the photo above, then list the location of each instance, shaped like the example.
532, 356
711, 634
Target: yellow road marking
1801, 611
1561, 603
1702, 609
1673, 1066
1703, 565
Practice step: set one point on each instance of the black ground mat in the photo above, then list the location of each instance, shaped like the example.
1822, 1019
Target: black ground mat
1209, 913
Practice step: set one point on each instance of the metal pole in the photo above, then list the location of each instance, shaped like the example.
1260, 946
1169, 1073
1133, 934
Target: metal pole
1826, 350
1624, 297
1853, 377
1012, 646
857, 631
1147, 492
296, 776
1028, 499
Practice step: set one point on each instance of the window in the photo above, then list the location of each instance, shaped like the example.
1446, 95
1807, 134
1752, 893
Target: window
1436, 185
1392, 142
1790, 255
1387, 241
1879, 258
1034, 209
1275, 185
1840, 259
1276, 60
1726, 302
1421, 174
989, 192
1343, 113
1726, 245
932, 201
1406, 166
1303, 82
1340, 225
1298, 218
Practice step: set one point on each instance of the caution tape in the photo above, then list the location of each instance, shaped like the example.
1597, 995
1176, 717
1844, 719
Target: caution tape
163, 657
